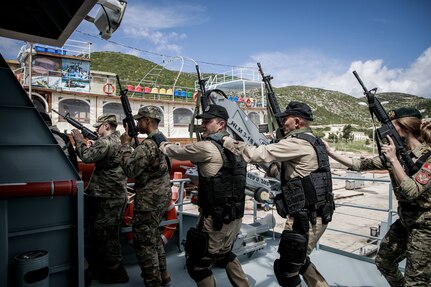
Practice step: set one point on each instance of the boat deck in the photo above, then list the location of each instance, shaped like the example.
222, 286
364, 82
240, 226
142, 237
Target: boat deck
338, 269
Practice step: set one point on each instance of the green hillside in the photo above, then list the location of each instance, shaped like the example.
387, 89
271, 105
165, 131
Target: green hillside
329, 107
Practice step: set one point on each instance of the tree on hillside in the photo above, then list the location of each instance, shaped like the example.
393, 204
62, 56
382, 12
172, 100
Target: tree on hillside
347, 132
333, 138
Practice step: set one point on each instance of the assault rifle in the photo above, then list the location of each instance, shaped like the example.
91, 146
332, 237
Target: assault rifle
132, 130
387, 128
204, 98
86, 132
273, 104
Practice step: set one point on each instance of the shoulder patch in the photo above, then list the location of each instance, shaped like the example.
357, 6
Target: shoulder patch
424, 175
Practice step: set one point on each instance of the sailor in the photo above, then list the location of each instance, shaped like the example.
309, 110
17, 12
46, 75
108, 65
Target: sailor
221, 199
149, 167
305, 198
409, 237
106, 198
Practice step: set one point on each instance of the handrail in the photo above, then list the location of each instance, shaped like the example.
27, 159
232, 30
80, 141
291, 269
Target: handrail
389, 210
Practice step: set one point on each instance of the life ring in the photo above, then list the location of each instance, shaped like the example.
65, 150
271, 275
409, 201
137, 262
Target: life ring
248, 102
169, 230
195, 95
108, 88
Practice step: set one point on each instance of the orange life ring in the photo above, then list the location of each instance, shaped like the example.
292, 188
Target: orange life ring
248, 102
169, 230
195, 95
108, 88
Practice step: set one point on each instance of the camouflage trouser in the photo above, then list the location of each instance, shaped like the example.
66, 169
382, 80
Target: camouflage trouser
414, 246
107, 223
149, 246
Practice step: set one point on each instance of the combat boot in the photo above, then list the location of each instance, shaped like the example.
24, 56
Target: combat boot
114, 275
166, 278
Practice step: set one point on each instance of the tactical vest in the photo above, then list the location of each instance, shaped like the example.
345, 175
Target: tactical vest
312, 191
224, 193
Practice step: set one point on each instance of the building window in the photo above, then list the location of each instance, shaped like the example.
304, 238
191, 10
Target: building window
254, 117
78, 109
182, 117
116, 109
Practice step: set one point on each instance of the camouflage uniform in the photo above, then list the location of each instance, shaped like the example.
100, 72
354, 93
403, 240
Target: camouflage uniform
153, 192
106, 194
409, 237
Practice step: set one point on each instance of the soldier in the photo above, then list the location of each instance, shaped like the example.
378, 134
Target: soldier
409, 237
106, 196
62, 140
306, 198
150, 169
221, 199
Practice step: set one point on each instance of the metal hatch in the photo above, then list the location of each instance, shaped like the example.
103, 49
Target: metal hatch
37, 212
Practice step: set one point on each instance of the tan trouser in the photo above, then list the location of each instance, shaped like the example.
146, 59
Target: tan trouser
220, 243
312, 276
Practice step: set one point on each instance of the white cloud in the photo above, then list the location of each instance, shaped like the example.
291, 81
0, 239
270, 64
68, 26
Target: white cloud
151, 22
9, 48
312, 69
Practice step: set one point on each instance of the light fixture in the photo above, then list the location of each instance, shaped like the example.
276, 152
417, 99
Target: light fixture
108, 17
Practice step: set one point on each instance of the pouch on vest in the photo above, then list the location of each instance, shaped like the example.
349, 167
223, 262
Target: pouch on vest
217, 217
328, 210
280, 205
196, 242
294, 195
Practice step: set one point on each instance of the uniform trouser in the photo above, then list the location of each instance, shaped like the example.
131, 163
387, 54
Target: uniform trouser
414, 246
108, 214
311, 275
219, 245
149, 246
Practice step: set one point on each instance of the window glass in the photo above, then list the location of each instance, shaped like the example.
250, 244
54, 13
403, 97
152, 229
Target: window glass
78, 109
182, 117
254, 117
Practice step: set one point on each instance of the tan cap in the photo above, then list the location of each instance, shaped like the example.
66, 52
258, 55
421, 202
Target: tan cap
152, 112
106, 119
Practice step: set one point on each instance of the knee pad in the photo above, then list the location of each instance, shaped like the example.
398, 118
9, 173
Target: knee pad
282, 275
224, 259
292, 248
196, 275
305, 266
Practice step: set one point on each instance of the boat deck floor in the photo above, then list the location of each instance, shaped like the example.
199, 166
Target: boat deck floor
339, 270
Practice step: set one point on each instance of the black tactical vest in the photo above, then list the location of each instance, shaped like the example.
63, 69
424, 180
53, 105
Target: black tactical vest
317, 186
226, 189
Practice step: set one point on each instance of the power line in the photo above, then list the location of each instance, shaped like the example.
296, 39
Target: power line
158, 54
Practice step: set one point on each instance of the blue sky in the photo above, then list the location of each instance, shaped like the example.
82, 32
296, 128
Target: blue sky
308, 42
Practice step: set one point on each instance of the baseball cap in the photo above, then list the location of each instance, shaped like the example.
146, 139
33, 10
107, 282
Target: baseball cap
214, 111
152, 112
297, 109
106, 119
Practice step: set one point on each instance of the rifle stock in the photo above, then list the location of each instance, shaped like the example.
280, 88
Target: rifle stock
86, 132
273, 103
387, 128
132, 130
